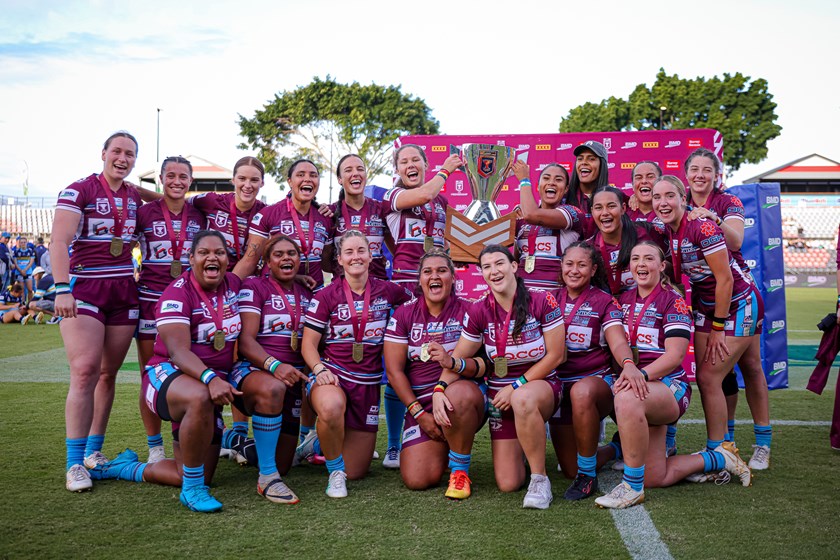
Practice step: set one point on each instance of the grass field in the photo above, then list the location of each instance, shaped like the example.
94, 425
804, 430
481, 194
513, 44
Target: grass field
791, 511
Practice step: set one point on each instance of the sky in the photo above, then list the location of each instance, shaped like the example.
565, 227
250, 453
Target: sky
71, 72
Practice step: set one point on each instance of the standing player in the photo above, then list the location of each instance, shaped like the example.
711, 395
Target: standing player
23, 261
645, 175
545, 230
167, 227
418, 342
349, 318
590, 173
522, 332
95, 296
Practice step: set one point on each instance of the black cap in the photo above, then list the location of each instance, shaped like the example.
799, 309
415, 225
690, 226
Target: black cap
593, 146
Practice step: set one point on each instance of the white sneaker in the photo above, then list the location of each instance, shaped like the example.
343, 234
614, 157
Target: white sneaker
337, 485
25, 319
375, 454
306, 448
734, 464
618, 465
622, 496
156, 453
760, 459
78, 479
392, 458
95, 459
539, 494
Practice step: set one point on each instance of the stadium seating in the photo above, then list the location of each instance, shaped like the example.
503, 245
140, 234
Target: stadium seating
23, 220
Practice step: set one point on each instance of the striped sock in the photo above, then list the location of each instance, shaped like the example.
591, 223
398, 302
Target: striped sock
671, 436
617, 447
712, 444
336, 464
193, 476
94, 443
154, 441
713, 461
635, 477
730, 430
459, 462
241, 428
75, 451
763, 435
394, 415
586, 465
266, 435
133, 472
303, 431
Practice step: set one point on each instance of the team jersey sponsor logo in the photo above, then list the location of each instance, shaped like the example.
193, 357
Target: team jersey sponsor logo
69, 194
257, 219
648, 338
246, 295
171, 306
392, 324
313, 306
578, 338
411, 433
133, 313
373, 416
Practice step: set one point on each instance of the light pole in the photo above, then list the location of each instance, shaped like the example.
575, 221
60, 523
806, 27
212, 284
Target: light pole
662, 109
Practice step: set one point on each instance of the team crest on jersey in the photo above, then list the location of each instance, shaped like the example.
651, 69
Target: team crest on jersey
159, 229
416, 332
343, 312
277, 302
287, 228
222, 219
491, 331
103, 206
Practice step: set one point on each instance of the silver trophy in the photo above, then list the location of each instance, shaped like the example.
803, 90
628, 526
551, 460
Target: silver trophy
487, 167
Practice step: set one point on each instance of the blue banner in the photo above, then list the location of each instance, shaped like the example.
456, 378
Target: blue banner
762, 249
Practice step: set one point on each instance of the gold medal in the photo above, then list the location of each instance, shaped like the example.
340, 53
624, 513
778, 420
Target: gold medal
501, 366
635, 355
530, 261
358, 352
428, 244
424, 353
116, 246
219, 340
294, 341
175, 269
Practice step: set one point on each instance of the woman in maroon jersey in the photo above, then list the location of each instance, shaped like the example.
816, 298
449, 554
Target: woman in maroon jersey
270, 375
96, 297
349, 318
418, 342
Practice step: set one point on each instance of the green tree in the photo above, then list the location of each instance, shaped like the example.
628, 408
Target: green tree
741, 108
324, 120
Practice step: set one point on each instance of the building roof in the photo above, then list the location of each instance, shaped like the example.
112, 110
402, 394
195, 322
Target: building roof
202, 170
810, 167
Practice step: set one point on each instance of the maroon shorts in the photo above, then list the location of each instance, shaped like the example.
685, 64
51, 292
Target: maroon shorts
413, 434
362, 409
111, 301
503, 424
292, 401
563, 416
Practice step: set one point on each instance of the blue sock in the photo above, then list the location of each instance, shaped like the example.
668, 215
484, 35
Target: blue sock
712, 444
193, 476
617, 447
266, 435
635, 477
586, 465
336, 464
241, 427
730, 430
671, 436
712, 461
133, 472
303, 431
154, 441
459, 462
94, 443
763, 435
75, 451
317, 447
394, 415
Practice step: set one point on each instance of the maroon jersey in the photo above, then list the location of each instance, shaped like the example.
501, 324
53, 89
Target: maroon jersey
330, 315
650, 217
278, 219
375, 213
587, 352
413, 326
622, 280
157, 247
548, 246
485, 317
217, 207
697, 239
409, 229
727, 207
180, 304
277, 313
666, 315
91, 257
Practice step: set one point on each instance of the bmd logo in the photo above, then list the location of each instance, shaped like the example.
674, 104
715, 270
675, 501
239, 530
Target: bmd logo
778, 367
749, 222
628, 165
773, 243
650, 144
438, 148
776, 326
770, 202
776, 284
543, 147
752, 263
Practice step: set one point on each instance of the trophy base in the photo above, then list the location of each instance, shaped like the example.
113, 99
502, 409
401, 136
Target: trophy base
467, 238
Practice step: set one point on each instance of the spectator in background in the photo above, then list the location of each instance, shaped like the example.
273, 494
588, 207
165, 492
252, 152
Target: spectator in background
46, 261
23, 261
40, 250
5, 260
11, 304
43, 301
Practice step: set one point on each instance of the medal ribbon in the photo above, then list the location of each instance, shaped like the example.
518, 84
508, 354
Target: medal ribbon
430, 219
533, 229
580, 301
633, 326
305, 243
294, 310
359, 323
676, 255
501, 330
235, 227
116, 213
177, 243
427, 315
219, 314
613, 274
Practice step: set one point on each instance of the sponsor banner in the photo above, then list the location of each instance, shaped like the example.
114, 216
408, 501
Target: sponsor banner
762, 249
826, 200
805, 280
